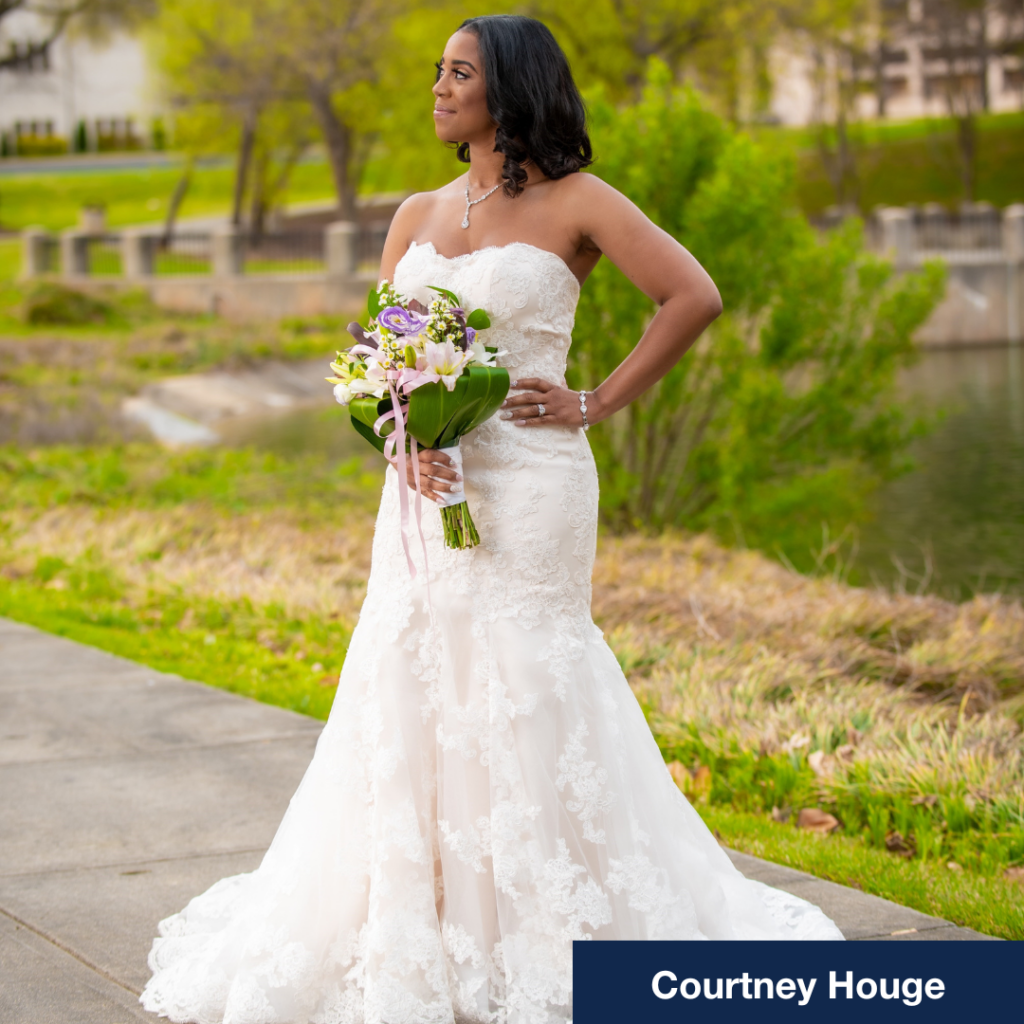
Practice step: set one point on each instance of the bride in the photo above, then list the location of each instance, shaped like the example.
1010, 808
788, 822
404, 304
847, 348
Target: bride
486, 789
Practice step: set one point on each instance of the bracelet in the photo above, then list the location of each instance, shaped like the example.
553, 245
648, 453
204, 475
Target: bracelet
583, 409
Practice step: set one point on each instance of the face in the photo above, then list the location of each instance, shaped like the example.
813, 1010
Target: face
460, 93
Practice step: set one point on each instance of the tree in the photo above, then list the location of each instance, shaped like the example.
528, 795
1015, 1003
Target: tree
333, 51
226, 75
841, 38
722, 45
961, 36
784, 414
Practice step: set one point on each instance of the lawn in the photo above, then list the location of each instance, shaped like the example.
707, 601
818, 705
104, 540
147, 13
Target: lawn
768, 692
134, 196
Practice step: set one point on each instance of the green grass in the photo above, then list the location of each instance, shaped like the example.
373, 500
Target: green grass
941, 821
988, 904
916, 162
260, 652
54, 199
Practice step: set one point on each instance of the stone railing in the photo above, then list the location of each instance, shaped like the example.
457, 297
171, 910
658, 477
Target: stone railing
308, 273
140, 253
225, 270
979, 234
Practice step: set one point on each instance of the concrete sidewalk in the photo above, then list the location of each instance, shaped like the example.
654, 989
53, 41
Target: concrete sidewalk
124, 792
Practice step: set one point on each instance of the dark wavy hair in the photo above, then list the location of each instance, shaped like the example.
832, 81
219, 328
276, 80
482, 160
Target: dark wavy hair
531, 97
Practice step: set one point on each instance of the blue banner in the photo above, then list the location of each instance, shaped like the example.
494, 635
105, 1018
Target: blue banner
623, 982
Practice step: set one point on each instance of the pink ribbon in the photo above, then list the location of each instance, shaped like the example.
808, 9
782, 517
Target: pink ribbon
395, 444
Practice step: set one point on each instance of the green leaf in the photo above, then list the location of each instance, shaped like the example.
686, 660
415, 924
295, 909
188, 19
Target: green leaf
439, 417
373, 306
478, 320
450, 296
365, 412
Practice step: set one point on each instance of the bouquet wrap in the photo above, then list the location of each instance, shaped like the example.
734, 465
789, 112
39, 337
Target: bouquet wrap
420, 377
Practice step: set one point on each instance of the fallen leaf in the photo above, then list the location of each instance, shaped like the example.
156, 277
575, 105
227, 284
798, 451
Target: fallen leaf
702, 779
1014, 875
781, 814
821, 763
928, 800
953, 866
895, 843
815, 820
679, 774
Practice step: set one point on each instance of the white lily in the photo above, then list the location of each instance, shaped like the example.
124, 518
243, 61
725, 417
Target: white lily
482, 356
376, 379
442, 362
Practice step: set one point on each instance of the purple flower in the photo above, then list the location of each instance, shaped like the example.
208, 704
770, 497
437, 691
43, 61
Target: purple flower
401, 321
470, 337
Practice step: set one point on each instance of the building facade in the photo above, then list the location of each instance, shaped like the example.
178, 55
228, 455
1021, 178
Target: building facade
77, 95
926, 58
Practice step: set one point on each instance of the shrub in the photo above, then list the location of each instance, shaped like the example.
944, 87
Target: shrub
54, 304
784, 414
41, 145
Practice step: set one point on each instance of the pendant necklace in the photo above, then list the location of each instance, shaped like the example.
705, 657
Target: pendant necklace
473, 202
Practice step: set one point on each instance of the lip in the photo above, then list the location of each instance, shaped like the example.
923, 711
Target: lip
442, 111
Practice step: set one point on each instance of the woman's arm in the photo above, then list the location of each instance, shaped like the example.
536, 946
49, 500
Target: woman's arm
663, 270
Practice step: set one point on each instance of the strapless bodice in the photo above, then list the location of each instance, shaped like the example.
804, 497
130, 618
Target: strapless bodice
529, 293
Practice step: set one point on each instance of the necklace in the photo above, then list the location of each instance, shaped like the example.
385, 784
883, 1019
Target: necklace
473, 202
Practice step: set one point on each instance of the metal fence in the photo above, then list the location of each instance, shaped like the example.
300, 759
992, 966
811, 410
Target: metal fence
48, 255
103, 255
284, 252
974, 228
370, 244
186, 253
968, 229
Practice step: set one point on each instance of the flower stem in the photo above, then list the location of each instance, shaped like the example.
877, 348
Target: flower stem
459, 528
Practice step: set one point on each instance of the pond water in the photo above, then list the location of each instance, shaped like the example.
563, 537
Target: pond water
953, 526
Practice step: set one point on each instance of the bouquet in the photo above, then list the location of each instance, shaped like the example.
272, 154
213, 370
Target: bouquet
420, 375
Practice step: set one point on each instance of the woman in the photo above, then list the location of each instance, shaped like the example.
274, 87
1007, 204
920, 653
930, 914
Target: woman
486, 789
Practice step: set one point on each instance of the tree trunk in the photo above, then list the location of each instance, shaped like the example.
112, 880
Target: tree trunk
966, 141
245, 148
880, 92
180, 190
258, 201
338, 140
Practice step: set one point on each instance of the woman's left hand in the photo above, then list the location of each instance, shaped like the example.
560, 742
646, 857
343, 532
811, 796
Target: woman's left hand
539, 403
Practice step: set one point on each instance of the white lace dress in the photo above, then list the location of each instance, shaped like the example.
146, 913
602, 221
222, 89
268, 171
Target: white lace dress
486, 789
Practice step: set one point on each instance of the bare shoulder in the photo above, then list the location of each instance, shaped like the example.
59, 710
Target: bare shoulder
590, 202
586, 190
419, 207
409, 219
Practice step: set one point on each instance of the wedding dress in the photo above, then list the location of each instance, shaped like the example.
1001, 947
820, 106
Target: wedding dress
486, 789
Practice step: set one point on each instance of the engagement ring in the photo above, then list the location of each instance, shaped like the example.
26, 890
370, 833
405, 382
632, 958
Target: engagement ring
540, 410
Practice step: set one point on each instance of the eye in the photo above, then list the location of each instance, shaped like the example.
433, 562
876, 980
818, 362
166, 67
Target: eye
440, 70
460, 75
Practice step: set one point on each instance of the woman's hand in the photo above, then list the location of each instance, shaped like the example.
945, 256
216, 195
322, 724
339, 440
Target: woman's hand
436, 475
539, 403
